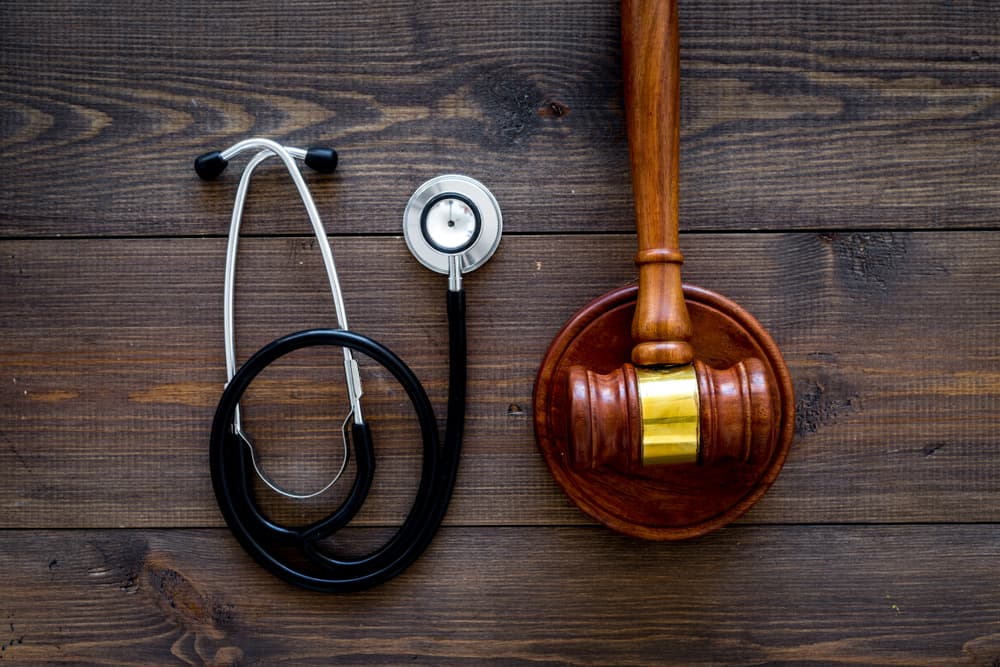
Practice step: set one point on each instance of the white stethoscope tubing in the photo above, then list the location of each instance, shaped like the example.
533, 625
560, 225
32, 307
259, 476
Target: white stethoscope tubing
287, 155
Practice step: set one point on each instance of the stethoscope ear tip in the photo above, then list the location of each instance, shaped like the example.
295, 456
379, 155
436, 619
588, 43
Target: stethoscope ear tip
320, 158
323, 160
210, 165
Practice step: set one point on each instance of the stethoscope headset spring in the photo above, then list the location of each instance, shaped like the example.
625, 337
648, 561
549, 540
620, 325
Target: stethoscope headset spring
452, 224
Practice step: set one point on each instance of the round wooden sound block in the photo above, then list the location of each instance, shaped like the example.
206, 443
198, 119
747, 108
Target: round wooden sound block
659, 502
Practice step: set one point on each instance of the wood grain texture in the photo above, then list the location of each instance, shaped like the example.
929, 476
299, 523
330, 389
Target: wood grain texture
111, 364
926, 595
838, 179
795, 114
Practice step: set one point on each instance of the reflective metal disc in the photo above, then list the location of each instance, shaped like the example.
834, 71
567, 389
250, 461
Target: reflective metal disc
450, 223
452, 215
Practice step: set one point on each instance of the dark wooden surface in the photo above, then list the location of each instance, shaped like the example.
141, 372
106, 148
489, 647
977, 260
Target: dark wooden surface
839, 180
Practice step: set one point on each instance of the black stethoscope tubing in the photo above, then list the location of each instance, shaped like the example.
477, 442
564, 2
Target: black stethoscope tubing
262, 538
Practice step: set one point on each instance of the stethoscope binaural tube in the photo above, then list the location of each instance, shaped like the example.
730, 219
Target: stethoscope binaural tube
231, 453
328, 164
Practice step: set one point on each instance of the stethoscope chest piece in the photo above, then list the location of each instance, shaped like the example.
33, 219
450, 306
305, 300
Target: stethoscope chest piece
452, 218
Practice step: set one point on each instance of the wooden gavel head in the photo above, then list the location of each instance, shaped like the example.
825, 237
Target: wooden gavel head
633, 417
682, 424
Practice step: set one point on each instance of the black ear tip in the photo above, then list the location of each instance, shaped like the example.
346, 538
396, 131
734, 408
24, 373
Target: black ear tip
210, 165
323, 160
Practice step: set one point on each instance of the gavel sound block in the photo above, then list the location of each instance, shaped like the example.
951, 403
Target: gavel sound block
670, 500
664, 410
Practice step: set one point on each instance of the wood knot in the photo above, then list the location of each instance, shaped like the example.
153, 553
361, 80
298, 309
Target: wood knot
554, 109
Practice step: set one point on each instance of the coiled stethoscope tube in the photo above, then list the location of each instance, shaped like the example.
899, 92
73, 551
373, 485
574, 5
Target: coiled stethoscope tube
232, 459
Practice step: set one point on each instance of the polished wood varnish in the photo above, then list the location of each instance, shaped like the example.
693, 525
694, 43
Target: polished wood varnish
588, 407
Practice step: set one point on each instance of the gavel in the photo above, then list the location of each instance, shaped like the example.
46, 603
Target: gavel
679, 405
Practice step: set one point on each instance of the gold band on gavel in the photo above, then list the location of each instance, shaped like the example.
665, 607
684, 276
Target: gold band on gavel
668, 398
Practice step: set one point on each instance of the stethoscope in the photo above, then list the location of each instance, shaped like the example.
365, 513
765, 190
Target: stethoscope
452, 225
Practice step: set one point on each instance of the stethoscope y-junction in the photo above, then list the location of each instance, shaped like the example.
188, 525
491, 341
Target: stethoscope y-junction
452, 224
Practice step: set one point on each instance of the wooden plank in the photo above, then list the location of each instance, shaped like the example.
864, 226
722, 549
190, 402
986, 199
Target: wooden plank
111, 364
862, 595
862, 135
796, 114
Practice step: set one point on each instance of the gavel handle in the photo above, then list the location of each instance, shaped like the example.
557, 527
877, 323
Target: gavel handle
651, 60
